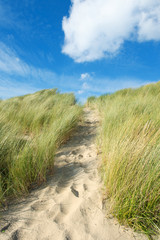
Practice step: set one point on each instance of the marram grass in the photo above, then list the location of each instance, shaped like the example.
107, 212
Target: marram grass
130, 144
31, 129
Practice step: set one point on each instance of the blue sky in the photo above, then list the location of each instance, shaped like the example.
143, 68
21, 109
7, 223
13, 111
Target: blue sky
88, 47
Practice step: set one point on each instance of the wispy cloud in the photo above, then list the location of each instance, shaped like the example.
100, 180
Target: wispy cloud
100, 86
8, 18
9, 89
110, 85
11, 64
5, 15
18, 78
98, 28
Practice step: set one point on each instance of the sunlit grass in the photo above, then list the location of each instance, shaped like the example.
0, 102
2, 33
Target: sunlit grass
130, 144
31, 129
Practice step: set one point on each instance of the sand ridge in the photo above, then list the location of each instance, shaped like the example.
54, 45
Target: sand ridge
69, 205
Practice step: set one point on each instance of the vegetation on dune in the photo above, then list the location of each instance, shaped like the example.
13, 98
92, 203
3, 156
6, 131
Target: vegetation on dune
31, 129
90, 101
130, 144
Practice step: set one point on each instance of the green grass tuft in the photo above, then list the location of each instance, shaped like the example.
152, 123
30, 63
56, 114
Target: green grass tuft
130, 144
31, 129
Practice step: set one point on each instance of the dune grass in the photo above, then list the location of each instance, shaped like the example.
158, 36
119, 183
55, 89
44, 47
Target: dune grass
31, 129
130, 144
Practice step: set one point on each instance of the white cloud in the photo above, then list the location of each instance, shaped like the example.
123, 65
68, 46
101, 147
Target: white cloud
16, 90
84, 88
19, 78
105, 85
85, 76
5, 15
108, 85
80, 92
11, 64
149, 25
98, 28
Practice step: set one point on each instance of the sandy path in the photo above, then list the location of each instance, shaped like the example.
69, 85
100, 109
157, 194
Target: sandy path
69, 205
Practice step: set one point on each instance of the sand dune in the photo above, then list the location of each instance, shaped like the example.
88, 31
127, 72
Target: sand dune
69, 206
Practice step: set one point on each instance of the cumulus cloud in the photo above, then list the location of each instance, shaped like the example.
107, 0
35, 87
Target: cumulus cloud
98, 28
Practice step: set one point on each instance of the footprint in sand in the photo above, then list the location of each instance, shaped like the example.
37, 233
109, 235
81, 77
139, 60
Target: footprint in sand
57, 211
50, 213
74, 152
15, 235
80, 156
64, 208
58, 219
49, 191
92, 176
29, 222
72, 208
85, 187
59, 190
74, 191
39, 206
61, 187
84, 215
67, 236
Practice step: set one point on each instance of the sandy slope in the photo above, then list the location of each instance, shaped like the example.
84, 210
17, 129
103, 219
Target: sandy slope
69, 205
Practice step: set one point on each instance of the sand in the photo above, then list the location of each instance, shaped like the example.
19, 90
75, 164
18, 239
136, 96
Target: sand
69, 205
